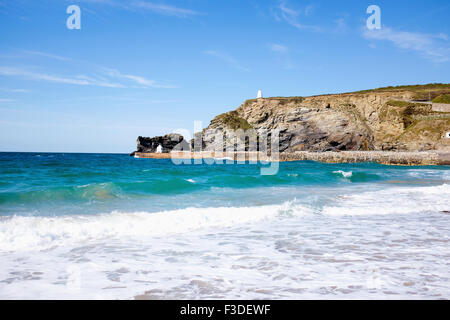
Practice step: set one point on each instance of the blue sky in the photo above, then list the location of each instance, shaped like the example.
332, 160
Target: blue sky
150, 67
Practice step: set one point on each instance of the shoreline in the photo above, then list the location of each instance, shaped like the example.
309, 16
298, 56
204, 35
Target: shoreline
409, 158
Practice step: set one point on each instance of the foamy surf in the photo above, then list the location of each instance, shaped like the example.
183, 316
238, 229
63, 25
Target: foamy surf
345, 174
38, 233
392, 201
110, 227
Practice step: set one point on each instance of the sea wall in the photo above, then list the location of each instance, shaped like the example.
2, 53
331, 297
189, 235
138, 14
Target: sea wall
383, 157
441, 107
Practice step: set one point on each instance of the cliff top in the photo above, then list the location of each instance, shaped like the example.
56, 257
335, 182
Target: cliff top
420, 92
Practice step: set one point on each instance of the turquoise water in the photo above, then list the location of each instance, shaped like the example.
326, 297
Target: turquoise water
111, 226
60, 184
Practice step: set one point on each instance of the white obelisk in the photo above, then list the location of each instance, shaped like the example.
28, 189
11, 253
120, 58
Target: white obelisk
259, 94
159, 149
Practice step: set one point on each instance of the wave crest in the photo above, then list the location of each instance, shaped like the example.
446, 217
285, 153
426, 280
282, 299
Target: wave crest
23, 233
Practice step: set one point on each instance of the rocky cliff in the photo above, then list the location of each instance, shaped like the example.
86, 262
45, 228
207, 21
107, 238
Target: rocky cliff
167, 142
392, 118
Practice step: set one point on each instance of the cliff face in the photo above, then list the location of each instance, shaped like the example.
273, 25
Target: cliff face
381, 119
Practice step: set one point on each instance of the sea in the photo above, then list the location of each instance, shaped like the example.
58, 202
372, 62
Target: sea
110, 226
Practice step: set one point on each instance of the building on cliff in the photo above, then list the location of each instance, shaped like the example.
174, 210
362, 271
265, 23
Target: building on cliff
259, 94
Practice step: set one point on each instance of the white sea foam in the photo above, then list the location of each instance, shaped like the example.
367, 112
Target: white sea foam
392, 201
287, 251
37, 233
345, 174
31, 233
190, 180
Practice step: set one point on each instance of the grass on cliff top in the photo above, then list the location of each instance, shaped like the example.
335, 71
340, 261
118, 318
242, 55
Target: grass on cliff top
294, 99
282, 100
233, 121
417, 87
422, 92
404, 111
429, 95
406, 104
434, 127
445, 98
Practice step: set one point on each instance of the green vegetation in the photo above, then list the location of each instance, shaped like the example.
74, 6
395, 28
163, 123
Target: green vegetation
400, 104
281, 100
233, 121
419, 107
433, 127
404, 111
284, 100
422, 92
415, 88
353, 111
444, 98
429, 95
249, 101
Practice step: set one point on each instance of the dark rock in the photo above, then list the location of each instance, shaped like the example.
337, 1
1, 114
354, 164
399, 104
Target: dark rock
168, 143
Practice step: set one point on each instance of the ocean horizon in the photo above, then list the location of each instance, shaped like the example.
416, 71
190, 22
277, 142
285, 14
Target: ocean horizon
109, 226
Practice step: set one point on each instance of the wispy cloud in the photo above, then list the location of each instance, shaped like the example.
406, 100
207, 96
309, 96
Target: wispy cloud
275, 47
433, 47
46, 55
6, 100
341, 25
158, 8
95, 75
19, 72
165, 9
282, 55
14, 90
110, 79
144, 82
293, 16
227, 58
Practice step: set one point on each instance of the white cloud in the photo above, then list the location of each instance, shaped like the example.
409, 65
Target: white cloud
137, 79
275, 47
44, 54
165, 9
432, 47
159, 8
291, 16
227, 58
341, 25
109, 80
8, 71
282, 56
103, 77
14, 90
